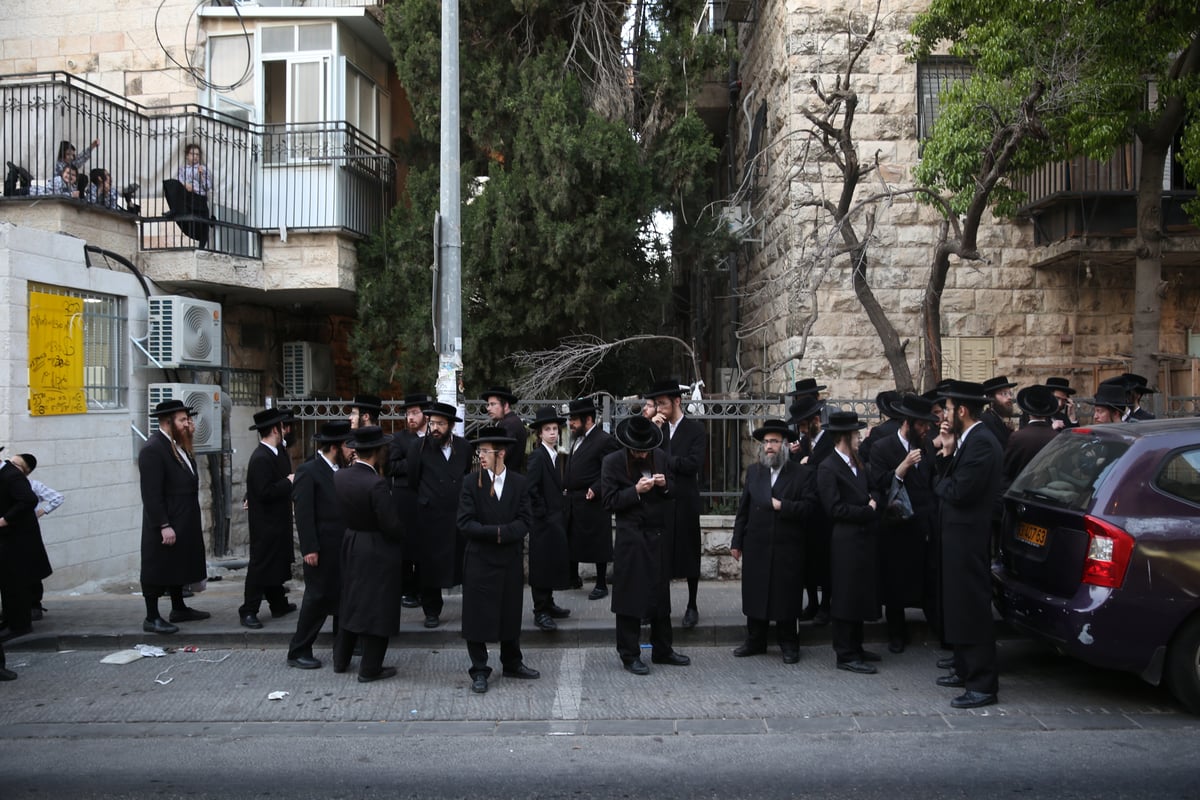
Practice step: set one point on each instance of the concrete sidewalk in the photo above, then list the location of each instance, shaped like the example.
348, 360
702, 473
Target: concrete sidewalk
112, 619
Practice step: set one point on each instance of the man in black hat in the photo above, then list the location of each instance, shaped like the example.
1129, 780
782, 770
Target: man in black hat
499, 402
172, 538
494, 515
684, 442
269, 513
968, 489
589, 523
437, 463
1111, 402
1138, 387
812, 447
414, 406
901, 458
806, 387
23, 559
365, 410
1065, 417
549, 556
1040, 404
321, 526
637, 487
889, 423
1000, 409
768, 532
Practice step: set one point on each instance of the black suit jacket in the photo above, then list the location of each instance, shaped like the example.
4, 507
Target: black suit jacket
589, 523
269, 511
685, 461
1023, 446
438, 484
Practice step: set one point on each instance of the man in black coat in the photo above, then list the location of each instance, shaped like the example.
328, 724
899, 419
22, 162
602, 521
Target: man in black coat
889, 423
437, 463
269, 513
1138, 387
968, 489
768, 538
494, 515
499, 401
589, 523
172, 538
21, 549
549, 556
1040, 403
365, 410
321, 527
637, 487
812, 447
684, 442
414, 406
1000, 408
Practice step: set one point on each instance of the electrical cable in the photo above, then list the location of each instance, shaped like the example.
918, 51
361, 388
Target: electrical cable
195, 72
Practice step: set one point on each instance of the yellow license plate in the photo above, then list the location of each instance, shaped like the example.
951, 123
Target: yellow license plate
1033, 534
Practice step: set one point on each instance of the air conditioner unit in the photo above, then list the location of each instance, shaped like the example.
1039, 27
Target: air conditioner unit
184, 332
205, 400
307, 369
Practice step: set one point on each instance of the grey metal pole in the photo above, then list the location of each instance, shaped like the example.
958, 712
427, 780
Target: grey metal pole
450, 250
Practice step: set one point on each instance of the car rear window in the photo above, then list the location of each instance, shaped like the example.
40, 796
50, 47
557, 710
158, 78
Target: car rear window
1069, 470
1180, 476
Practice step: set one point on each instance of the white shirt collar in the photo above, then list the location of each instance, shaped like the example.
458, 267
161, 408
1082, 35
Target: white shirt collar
332, 465
270, 447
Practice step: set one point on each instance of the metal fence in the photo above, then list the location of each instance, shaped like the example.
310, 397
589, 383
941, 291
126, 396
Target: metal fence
315, 176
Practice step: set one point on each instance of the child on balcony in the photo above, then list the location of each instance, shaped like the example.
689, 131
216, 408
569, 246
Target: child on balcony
100, 191
68, 156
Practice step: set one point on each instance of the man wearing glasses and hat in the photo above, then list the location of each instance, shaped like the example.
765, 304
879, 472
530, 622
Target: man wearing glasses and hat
321, 527
414, 406
637, 487
172, 538
589, 523
269, 513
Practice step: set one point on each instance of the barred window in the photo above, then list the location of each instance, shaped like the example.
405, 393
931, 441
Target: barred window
105, 337
935, 76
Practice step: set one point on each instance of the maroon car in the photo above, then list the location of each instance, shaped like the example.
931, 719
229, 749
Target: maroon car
1100, 550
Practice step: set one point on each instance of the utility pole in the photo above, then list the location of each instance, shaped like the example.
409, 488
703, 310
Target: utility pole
450, 220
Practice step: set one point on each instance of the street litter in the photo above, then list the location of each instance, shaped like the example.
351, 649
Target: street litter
163, 682
277, 695
150, 651
121, 657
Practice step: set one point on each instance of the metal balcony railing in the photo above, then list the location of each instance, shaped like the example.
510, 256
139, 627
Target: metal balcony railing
264, 178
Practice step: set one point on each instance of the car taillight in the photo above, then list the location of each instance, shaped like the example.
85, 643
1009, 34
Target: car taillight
1109, 550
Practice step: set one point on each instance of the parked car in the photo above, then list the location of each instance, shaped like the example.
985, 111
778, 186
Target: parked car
1100, 550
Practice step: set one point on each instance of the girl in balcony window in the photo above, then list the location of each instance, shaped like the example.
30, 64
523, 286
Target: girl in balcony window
100, 191
194, 175
65, 183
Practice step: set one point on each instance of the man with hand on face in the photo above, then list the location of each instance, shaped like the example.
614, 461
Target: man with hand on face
269, 512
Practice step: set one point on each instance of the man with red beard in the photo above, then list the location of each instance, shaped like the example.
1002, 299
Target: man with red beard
172, 539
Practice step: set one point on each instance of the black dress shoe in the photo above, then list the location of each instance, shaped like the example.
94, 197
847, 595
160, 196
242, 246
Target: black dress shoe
972, 699
408, 601
867, 655
599, 593
188, 615
522, 672
748, 649
946, 663
432, 620
544, 622
672, 659
558, 612
690, 617
479, 684
637, 667
791, 656
951, 680
896, 647
861, 667
283, 612
7, 674
304, 662
385, 672
159, 625
251, 621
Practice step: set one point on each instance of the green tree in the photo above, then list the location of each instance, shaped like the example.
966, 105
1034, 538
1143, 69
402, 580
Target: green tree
565, 158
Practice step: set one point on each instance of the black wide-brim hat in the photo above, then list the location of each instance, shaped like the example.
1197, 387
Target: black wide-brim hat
885, 400
546, 415
805, 407
269, 418
667, 387
368, 437
806, 386
843, 422
997, 383
913, 406
963, 390
1038, 401
775, 426
503, 392
443, 410
421, 401
493, 434
1137, 383
367, 401
1111, 395
1060, 385
332, 432
582, 407
167, 407
638, 433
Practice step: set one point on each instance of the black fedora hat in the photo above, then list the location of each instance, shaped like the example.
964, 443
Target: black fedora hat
667, 387
884, 401
962, 390
503, 392
997, 383
1137, 383
1111, 395
493, 434
1060, 385
421, 401
369, 437
806, 386
914, 406
805, 407
775, 426
167, 407
443, 410
546, 415
582, 407
638, 433
844, 422
368, 402
268, 418
336, 431
1038, 401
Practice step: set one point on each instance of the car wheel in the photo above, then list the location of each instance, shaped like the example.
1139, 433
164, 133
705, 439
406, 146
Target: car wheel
1183, 666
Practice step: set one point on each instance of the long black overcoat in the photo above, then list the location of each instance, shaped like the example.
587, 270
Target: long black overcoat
22, 553
170, 495
589, 522
438, 483
773, 542
321, 526
903, 544
403, 493
493, 573
371, 552
853, 543
685, 461
269, 513
641, 560
549, 556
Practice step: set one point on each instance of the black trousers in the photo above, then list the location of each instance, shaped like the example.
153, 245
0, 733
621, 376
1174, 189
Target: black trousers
847, 638
897, 626
786, 633
543, 599
276, 598
373, 650
315, 608
628, 633
410, 578
151, 594
510, 656
976, 665
431, 601
17, 599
